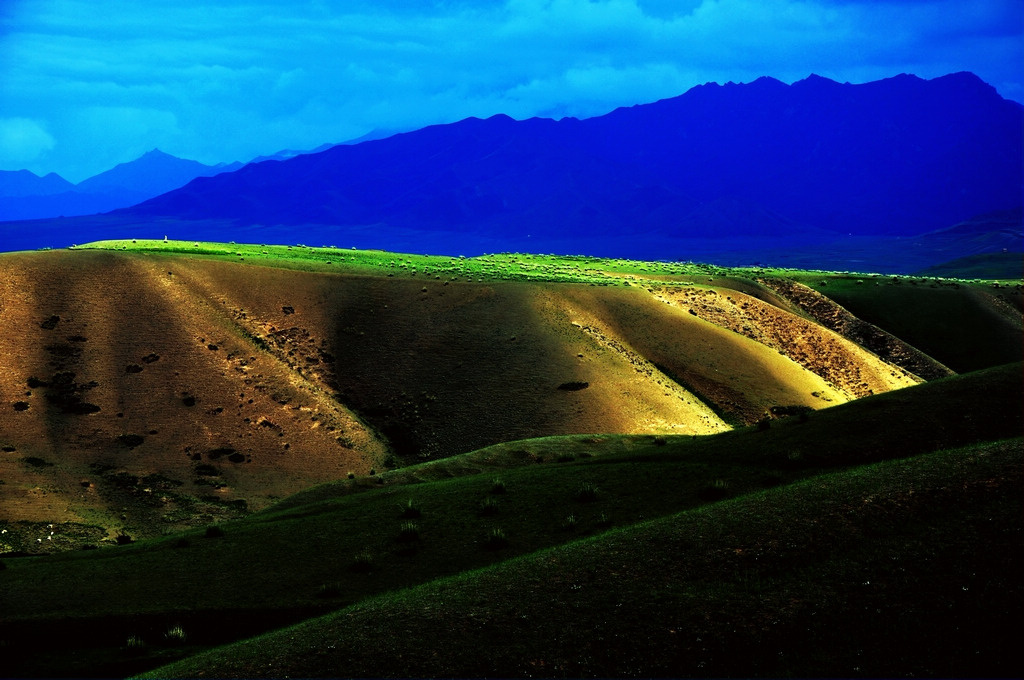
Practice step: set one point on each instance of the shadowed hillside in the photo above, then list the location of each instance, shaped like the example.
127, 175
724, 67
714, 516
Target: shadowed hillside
897, 569
134, 403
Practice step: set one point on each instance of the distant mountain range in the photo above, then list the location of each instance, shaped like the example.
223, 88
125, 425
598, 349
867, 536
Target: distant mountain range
750, 167
25, 195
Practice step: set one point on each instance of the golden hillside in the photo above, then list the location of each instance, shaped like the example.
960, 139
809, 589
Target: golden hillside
144, 392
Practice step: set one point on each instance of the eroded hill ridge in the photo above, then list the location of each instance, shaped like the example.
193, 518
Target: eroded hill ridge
142, 392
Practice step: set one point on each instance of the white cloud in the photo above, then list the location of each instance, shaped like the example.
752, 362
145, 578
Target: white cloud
230, 79
22, 141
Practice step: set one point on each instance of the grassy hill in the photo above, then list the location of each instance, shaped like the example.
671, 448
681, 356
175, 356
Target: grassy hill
213, 399
905, 568
1002, 265
153, 386
964, 325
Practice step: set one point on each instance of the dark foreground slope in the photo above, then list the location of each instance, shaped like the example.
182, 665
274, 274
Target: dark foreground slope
337, 547
908, 568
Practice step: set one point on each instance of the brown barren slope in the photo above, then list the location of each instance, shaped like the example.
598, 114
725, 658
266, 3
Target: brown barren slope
143, 392
843, 364
837, 318
131, 403
739, 377
443, 369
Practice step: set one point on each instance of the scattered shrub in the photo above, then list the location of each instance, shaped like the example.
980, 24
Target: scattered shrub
587, 493
716, 491
329, 590
409, 532
495, 540
764, 424
362, 562
351, 475
488, 507
660, 441
214, 532
410, 511
135, 645
21, 406
604, 521
784, 411
133, 368
574, 386
130, 440
569, 523
175, 636
123, 538
206, 470
498, 486
565, 458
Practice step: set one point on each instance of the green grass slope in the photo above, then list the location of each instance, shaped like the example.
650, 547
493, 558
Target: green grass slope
901, 568
330, 547
985, 266
966, 326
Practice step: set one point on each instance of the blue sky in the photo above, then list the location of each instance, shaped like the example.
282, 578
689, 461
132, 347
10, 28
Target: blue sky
86, 84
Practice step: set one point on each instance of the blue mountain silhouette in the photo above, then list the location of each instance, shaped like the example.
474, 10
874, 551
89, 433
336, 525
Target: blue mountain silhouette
897, 156
735, 168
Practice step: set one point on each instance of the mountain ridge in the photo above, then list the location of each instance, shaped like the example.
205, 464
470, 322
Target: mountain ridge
865, 159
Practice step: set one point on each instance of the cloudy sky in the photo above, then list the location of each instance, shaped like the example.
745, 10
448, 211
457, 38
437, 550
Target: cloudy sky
86, 84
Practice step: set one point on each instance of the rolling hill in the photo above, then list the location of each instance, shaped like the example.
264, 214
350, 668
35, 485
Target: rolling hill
202, 442
146, 391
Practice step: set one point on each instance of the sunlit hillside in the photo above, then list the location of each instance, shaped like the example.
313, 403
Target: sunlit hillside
148, 390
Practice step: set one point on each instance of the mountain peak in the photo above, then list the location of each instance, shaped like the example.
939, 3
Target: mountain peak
968, 82
814, 80
155, 153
